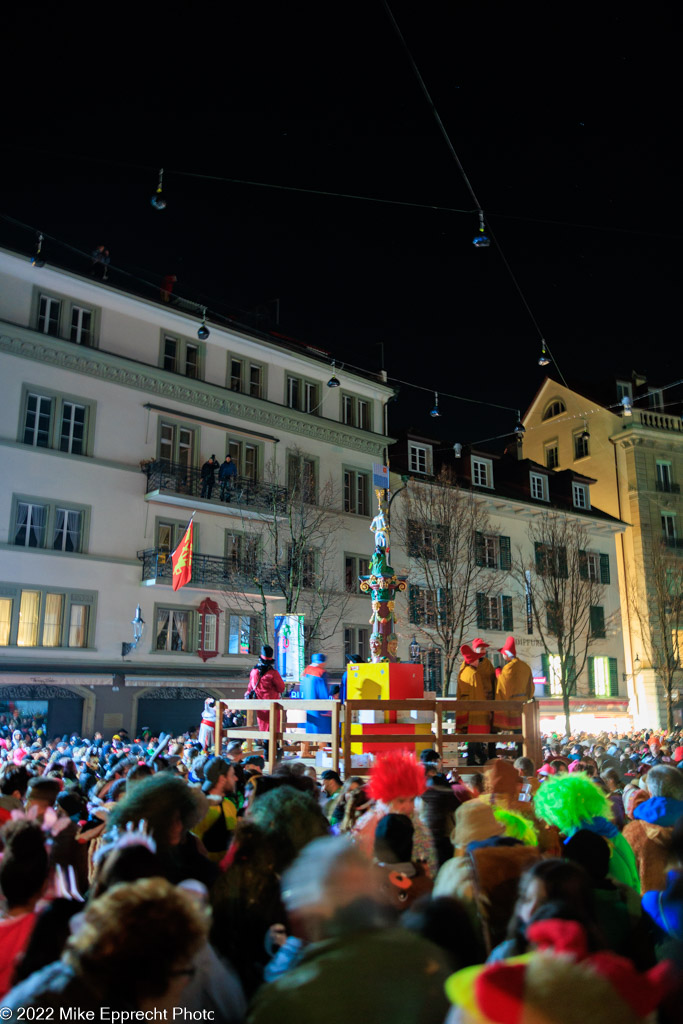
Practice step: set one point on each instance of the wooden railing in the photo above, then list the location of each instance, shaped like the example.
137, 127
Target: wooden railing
278, 732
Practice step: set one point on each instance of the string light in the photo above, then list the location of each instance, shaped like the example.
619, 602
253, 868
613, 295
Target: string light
334, 381
543, 359
203, 332
157, 200
435, 411
481, 240
37, 259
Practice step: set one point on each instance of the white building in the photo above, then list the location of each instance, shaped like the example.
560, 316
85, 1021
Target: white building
110, 406
515, 493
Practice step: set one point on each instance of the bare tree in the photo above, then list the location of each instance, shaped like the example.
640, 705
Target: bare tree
655, 596
564, 595
290, 559
442, 527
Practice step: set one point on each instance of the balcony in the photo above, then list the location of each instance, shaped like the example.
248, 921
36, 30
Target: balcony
654, 420
667, 487
210, 572
173, 478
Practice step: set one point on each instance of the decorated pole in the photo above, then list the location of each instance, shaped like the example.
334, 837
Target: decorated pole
382, 583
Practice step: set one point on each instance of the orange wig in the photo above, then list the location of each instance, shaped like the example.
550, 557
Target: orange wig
395, 775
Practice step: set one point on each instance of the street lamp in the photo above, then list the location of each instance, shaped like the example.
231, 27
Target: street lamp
415, 651
138, 624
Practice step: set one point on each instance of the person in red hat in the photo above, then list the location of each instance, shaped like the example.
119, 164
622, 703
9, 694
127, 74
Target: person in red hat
471, 687
515, 682
487, 673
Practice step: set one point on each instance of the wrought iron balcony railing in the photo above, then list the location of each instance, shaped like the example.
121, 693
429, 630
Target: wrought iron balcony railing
210, 571
174, 478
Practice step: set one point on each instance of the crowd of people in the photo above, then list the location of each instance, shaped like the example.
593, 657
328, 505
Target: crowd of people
147, 874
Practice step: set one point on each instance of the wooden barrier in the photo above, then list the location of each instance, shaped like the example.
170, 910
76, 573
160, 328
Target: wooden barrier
275, 735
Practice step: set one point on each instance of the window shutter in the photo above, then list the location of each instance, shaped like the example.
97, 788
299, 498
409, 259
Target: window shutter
604, 569
545, 668
482, 618
613, 673
413, 604
597, 619
507, 613
591, 677
479, 548
571, 673
442, 598
562, 567
505, 553
583, 565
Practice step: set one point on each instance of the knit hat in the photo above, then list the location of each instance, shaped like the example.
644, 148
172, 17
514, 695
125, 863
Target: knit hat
318, 659
474, 823
508, 650
468, 654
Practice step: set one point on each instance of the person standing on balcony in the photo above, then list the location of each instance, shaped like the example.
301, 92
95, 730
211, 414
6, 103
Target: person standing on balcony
267, 684
208, 474
227, 475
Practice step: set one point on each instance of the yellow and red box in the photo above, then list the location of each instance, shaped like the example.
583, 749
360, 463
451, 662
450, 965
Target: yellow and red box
384, 681
391, 729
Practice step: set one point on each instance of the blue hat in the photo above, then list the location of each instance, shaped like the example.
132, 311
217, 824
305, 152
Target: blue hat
318, 659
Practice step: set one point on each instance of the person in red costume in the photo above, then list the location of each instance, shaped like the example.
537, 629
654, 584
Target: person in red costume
267, 684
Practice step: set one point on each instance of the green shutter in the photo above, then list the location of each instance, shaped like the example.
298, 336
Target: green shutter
571, 673
482, 618
604, 569
413, 604
562, 567
545, 668
613, 674
583, 565
540, 551
591, 677
597, 619
442, 598
507, 613
479, 548
505, 553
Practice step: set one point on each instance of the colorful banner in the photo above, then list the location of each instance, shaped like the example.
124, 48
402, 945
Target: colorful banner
182, 560
380, 475
289, 647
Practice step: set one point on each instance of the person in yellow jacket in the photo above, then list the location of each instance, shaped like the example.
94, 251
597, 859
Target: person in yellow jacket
487, 673
515, 682
471, 687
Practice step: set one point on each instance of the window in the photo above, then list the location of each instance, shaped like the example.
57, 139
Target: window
580, 496
603, 677
57, 422
538, 483
49, 312
555, 408
482, 472
246, 376
419, 458
655, 401
494, 612
46, 617
426, 607
180, 355
669, 532
61, 317
551, 561
81, 325
624, 390
302, 473
177, 444
357, 492
426, 540
594, 566
554, 675
665, 477
302, 394
301, 566
354, 566
44, 524
493, 552
552, 454
169, 533
357, 642
242, 551
554, 618
355, 412
246, 457
597, 622
243, 634
430, 659
173, 629
581, 444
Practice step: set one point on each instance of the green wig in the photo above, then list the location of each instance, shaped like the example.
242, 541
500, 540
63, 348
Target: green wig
516, 826
571, 802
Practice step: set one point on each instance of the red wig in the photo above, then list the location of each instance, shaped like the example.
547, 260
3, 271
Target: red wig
395, 775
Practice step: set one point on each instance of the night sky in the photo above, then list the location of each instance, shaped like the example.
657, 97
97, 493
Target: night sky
565, 117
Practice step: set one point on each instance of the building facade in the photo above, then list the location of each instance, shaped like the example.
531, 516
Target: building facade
631, 442
515, 495
111, 405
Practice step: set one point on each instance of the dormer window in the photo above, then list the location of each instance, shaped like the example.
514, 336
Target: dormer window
556, 407
482, 472
581, 496
538, 485
419, 458
624, 390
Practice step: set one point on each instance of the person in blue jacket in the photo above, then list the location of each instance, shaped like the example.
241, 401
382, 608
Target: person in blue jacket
314, 686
